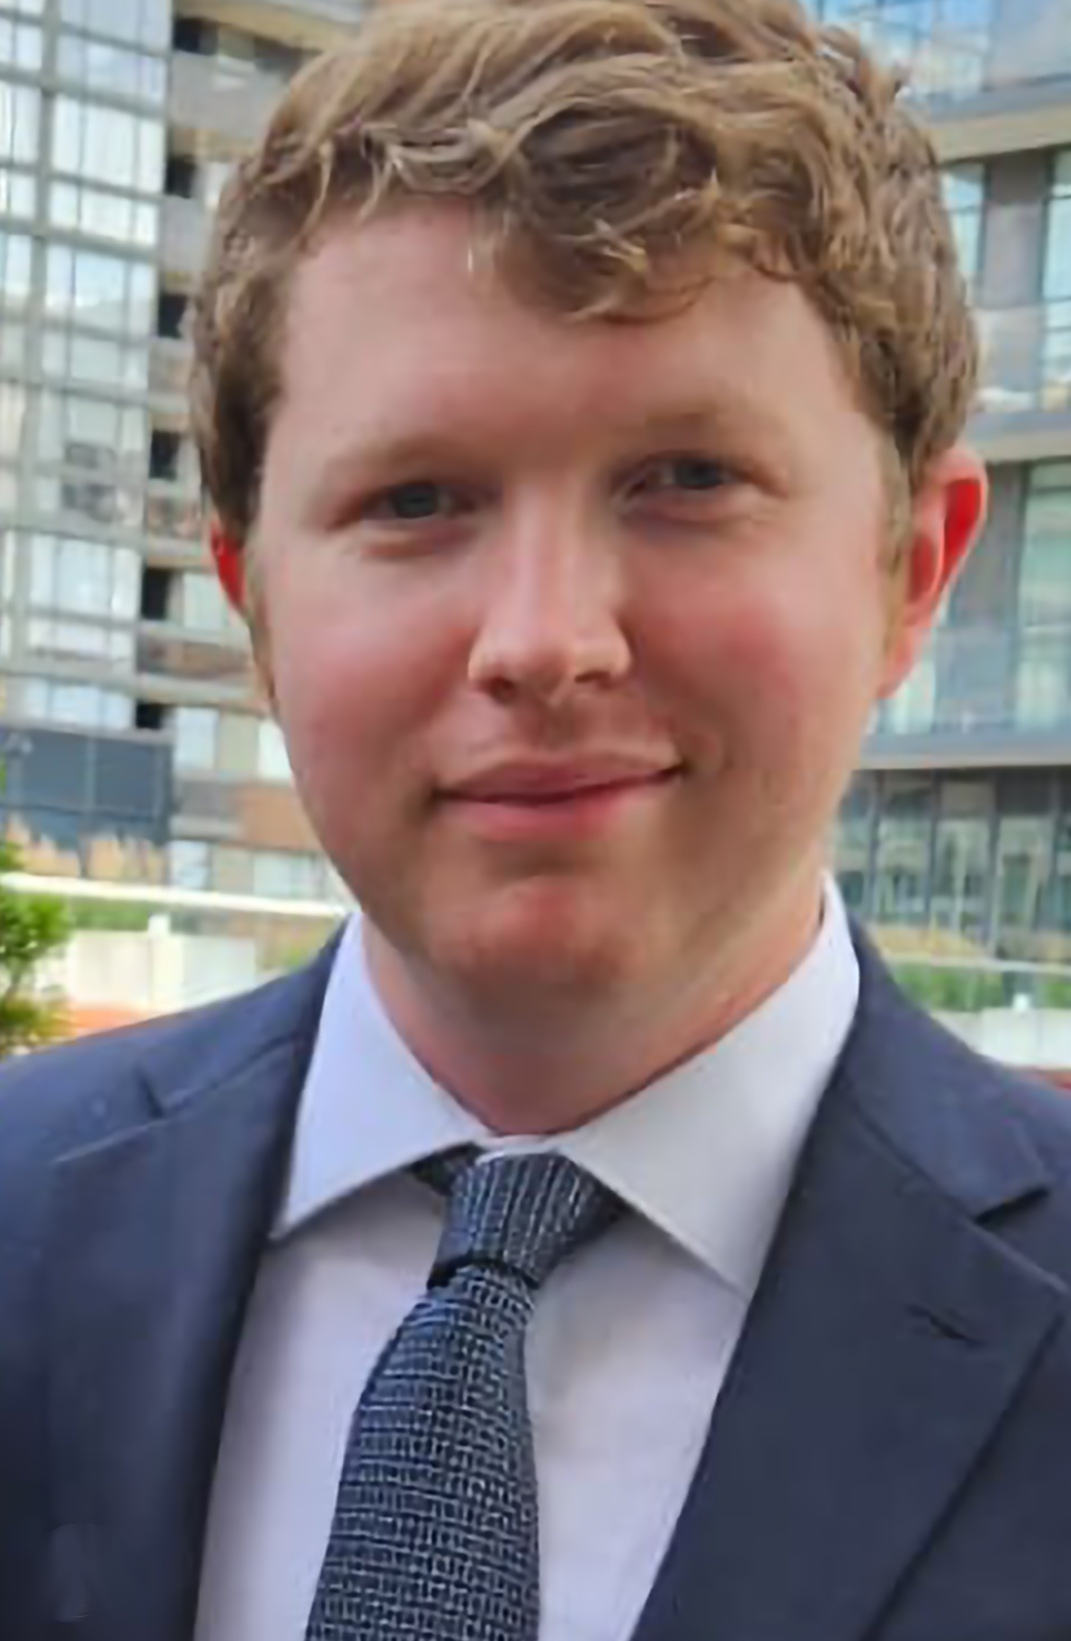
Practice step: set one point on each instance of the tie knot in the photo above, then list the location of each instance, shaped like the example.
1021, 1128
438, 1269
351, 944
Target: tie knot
522, 1213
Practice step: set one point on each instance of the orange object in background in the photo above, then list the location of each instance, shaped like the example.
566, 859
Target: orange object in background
83, 1019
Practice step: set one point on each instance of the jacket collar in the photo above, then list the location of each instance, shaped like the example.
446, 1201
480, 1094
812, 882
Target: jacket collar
889, 1336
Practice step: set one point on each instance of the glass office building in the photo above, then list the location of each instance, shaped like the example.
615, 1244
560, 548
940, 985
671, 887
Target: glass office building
131, 738
957, 832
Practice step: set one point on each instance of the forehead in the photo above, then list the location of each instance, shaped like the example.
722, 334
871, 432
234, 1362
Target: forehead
400, 321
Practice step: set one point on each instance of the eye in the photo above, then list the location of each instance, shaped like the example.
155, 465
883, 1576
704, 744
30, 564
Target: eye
689, 474
414, 502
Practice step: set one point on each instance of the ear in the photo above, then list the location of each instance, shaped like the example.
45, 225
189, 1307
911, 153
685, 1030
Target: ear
230, 567
947, 514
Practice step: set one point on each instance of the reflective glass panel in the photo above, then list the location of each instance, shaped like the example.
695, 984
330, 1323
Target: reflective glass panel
273, 763
195, 737
1058, 234
1045, 564
20, 44
964, 194
16, 264
20, 109
959, 898
189, 864
12, 416
905, 825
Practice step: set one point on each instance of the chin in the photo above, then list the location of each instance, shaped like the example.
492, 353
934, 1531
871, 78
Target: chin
532, 944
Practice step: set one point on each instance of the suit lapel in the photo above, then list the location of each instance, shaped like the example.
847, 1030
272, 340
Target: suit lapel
143, 1328
888, 1338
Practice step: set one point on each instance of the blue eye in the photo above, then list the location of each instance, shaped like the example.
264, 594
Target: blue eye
696, 473
415, 502
409, 503
676, 476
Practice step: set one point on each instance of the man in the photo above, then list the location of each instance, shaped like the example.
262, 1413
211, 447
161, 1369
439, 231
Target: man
579, 387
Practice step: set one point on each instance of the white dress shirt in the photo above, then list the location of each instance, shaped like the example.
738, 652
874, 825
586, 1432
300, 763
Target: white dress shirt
630, 1340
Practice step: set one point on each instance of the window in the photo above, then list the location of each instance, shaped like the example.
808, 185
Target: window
109, 216
83, 704
83, 577
112, 68
107, 145
95, 434
1056, 359
12, 417
1024, 851
280, 876
16, 262
171, 314
195, 730
203, 607
1057, 277
82, 640
165, 449
18, 194
273, 762
89, 501
98, 360
1043, 682
963, 187
852, 844
143, 22
108, 292
910, 711
902, 862
216, 173
1045, 565
961, 858
180, 176
20, 44
20, 112
189, 864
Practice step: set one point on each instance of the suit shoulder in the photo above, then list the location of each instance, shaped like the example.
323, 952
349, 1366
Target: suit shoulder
75, 1094
1043, 1109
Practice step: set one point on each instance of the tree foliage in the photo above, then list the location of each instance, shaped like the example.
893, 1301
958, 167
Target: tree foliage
31, 928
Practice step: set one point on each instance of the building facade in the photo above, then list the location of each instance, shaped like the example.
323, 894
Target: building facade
131, 738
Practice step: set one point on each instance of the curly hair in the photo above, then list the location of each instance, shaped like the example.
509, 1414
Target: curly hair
611, 152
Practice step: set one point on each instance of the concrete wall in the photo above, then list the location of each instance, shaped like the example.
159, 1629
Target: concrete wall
152, 973
1036, 1038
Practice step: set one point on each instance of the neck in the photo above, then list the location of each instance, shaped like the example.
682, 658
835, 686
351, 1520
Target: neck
543, 1070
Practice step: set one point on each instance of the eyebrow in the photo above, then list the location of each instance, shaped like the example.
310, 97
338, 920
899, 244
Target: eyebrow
332, 480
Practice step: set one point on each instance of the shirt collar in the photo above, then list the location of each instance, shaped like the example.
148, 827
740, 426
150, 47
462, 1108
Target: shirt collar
706, 1152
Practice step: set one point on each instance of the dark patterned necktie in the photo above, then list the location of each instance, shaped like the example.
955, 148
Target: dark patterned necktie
435, 1533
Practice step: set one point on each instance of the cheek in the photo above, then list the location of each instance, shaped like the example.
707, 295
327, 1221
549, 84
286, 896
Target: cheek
338, 700
777, 672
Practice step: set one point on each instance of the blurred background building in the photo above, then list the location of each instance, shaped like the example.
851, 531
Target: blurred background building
131, 739
957, 833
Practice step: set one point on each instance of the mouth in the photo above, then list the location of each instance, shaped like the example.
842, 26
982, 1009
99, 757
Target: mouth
522, 801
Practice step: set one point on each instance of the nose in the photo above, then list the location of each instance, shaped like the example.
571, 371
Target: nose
551, 615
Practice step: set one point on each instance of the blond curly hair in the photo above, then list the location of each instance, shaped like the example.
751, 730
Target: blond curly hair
611, 152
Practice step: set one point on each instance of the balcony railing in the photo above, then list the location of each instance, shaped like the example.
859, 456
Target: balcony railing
169, 368
217, 94
172, 512
184, 236
165, 649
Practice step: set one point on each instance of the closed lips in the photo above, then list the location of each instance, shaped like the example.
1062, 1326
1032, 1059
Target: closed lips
529, 783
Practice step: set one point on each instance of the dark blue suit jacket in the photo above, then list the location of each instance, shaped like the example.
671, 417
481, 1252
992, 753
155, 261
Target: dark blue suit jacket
891, 1454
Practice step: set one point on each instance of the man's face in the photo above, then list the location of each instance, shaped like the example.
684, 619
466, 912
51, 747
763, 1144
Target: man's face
573, 628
